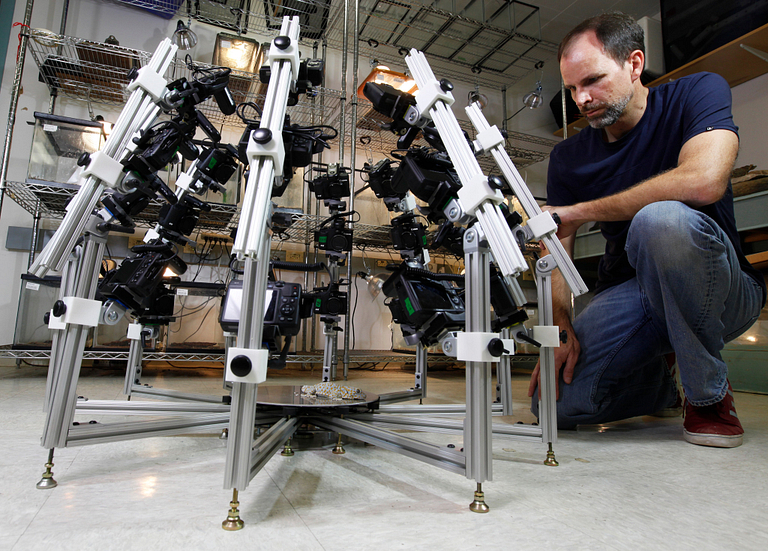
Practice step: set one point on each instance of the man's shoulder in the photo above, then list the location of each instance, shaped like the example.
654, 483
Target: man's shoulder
689, 82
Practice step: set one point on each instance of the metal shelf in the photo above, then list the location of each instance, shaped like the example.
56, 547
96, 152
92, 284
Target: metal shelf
494, 43
98, 73
361, 357
49, 200
523, 149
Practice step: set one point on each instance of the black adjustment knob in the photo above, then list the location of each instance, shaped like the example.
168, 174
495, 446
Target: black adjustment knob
556, 218
496, 347
495, 182
446, 85
59, 308
133, 73
47, 318
563, 336
84, 159
282, 42
262, 135
241, 366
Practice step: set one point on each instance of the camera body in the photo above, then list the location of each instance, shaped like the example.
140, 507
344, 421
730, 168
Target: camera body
334, 237
408, 235
423, 305
326, 301
333, 185
138, 284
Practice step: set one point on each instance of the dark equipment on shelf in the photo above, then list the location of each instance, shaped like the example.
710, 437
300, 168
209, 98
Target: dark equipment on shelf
425, 304
138, 283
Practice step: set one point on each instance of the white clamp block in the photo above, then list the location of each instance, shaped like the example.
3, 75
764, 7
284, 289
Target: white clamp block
80, 311
150, 236
547, 335
291, 53
134, 331
408, 203
250, 365
542, 224
151, 81
475, 193
184, 181
274, 148
56, 323
105, 168
429, 95
473, 347
489, 138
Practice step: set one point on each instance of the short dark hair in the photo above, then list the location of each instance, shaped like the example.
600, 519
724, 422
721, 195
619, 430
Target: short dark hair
619, 34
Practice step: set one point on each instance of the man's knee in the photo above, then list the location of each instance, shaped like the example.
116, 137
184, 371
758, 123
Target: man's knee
665, 231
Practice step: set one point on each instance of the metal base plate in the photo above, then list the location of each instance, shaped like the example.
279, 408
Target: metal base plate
289, 401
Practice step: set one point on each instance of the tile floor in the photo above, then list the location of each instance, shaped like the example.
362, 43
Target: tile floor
628, 485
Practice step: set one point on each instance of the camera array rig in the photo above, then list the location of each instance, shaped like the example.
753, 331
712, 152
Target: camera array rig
127, 167
448, 180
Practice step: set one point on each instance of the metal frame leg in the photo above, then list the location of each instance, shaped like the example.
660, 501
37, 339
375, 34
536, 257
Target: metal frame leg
477, 424
548, 382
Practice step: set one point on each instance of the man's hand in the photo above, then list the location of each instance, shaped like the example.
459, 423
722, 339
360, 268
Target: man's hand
568, 223
566, 356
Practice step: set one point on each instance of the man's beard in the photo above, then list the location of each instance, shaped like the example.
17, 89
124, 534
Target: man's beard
611, 114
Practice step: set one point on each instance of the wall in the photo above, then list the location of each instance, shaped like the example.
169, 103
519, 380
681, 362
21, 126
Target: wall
95, 20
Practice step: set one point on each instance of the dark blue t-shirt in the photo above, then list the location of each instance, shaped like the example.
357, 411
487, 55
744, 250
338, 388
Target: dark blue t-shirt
585, 167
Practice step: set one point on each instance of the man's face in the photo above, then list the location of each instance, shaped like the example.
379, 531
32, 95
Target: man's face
599, 85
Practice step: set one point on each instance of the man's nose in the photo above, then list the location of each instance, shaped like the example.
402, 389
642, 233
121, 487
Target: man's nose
581, 97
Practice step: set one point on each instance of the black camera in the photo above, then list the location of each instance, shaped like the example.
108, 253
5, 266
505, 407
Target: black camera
333, 185
391, 103
423, 303
328, 301
310, 75
334, 236
430, 176
137, 283
408, 235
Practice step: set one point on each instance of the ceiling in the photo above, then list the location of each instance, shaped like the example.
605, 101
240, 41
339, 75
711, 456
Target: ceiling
560, 16
489, 42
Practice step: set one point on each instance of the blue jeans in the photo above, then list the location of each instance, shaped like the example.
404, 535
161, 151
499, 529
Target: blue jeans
689, 297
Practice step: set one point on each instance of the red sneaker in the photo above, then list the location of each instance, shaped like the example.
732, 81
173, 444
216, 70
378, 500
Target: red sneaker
716, 425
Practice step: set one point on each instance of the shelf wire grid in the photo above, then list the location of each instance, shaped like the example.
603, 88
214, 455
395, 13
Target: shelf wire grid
98, 73
494, 42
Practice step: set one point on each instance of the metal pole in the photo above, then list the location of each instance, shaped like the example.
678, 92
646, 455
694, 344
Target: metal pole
15, 91
62, 31
352, 159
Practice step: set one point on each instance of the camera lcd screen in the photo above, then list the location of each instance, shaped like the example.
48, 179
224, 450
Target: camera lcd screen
431, 297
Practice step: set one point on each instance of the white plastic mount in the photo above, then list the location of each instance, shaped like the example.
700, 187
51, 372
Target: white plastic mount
473, 347
274, 148
542, 224
547, 335
291, 53
256, 372
134, 331
476, 192
79, 311
105, 168
151, 81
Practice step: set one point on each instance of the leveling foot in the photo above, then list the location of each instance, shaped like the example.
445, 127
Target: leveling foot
47, 482
233, 522
479, 505
550, 461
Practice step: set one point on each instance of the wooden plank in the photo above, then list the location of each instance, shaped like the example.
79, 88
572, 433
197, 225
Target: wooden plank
759, 260
730, 61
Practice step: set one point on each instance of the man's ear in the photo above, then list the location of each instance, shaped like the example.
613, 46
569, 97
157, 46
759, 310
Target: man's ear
637, 63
